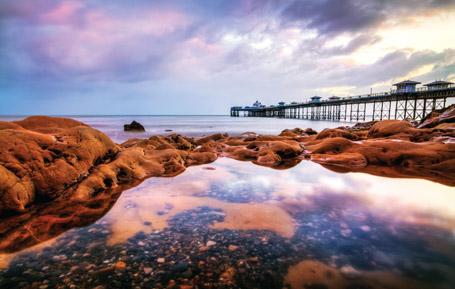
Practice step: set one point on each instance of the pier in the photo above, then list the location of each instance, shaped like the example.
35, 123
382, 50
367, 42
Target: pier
405, 102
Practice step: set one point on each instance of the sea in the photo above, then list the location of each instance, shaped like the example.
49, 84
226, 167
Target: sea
192, 125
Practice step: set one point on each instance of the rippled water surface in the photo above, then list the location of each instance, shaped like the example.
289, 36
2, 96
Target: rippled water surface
232, 224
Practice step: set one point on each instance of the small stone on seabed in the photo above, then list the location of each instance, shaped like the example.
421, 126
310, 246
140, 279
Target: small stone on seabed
120, 265
232, 248
59, 258
147, 270
210, 243
160, 260
349, 272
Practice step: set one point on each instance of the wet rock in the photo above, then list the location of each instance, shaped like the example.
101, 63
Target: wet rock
120, 265
350, 272
179, 267
232, 248
147, 270
160, 260
438, 117
59, 258
134, 126
43, 156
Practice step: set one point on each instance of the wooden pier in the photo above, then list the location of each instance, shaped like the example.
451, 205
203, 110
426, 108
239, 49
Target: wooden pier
402, 103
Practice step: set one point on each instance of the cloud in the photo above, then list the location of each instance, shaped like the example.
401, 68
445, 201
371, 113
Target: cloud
268, 48
333, 16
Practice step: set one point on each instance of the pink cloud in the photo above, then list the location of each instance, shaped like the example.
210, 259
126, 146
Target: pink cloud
62, 13
94, 42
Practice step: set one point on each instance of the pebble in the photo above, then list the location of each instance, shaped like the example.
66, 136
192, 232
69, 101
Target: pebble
160, 260
59, 258
147, 270
228, 275
210, 243
232, 248
203, 248
120, 265
349, 272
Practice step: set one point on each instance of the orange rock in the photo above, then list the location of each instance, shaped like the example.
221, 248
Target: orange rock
387, 128
336, 132
120, 265
438, 117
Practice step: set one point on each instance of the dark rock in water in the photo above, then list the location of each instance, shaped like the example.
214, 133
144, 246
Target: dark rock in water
133, 126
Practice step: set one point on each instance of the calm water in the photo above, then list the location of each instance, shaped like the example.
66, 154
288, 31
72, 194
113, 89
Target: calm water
193, 125
233, 224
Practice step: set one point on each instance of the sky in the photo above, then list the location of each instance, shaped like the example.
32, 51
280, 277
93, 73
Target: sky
202, 57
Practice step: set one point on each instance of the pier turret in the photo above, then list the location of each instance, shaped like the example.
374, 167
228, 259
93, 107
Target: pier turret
438, 84
406, 86
316, 98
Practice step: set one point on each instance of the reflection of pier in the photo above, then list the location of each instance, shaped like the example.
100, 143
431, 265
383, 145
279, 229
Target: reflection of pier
406, 102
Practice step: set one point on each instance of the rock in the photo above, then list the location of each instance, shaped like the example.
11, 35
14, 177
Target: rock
203, 248
349, 272
210, 243
160, 260
179, 267
134, 126
120, 265
147, 270
438, 117
232, 248
334, 132
44, 157
59, 258
388, 128
310, 131
228, 275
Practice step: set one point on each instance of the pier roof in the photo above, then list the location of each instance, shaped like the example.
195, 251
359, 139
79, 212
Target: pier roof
406, 82
438, 82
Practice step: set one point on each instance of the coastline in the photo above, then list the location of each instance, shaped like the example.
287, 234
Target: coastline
64, 174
